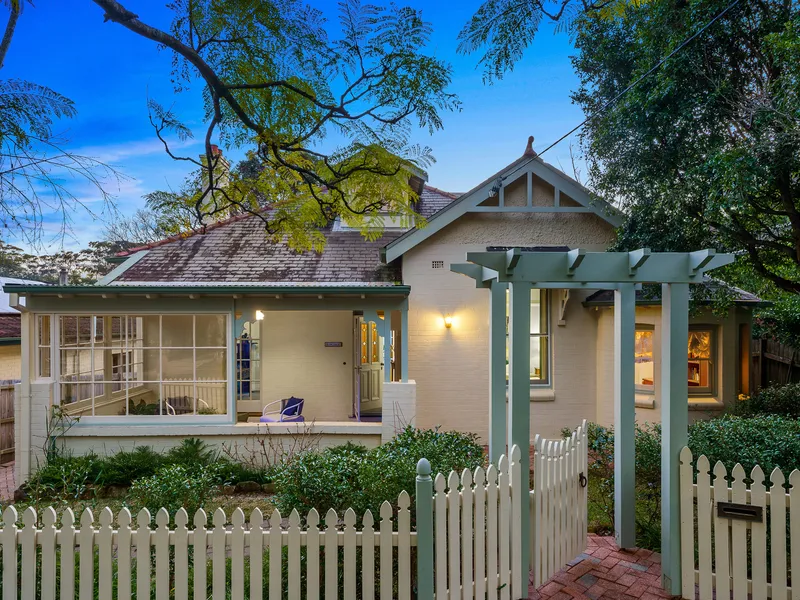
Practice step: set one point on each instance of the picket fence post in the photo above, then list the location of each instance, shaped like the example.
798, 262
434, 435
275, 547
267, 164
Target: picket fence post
424, 512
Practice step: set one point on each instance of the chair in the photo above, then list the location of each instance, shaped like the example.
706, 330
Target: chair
291, 411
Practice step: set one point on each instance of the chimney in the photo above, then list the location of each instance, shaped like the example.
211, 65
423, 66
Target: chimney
62, 276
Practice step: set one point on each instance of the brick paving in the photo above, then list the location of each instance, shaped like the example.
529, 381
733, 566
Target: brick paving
605, 571
7, 486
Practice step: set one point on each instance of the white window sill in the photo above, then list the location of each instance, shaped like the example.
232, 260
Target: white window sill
209, 429
539, 394
645, 401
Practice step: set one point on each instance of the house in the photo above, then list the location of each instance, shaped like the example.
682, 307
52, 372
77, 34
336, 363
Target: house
195, 335
10, 337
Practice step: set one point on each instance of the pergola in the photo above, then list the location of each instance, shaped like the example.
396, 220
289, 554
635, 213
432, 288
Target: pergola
519, 271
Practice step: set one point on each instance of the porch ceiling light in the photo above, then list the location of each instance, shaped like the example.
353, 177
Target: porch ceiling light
259, 315
448, 321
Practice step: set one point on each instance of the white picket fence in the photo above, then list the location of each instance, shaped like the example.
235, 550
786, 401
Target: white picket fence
477, 539
559, 517
171, 553
732, 554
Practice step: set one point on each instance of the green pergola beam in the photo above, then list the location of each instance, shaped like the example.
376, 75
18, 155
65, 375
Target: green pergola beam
639, 266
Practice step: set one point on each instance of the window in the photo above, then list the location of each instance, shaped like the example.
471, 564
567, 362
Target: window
643, 360
43, 349
701, 364
540, 337
147, 365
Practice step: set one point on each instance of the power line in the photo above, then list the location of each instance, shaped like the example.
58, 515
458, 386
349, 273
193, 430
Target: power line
653, 69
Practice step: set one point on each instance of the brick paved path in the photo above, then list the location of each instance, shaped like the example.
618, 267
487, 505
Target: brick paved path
605, 571
7, 486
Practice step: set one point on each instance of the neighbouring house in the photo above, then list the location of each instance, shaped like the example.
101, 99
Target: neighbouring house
202, 334
10, 337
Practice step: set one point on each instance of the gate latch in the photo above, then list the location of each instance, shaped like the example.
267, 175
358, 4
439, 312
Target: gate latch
740, 512
582, 480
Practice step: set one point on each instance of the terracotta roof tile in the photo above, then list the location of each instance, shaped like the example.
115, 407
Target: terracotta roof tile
10, 326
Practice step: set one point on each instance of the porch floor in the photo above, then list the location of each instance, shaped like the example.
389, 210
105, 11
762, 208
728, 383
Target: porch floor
606, 571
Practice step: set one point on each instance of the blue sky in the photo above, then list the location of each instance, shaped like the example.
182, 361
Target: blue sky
109, 72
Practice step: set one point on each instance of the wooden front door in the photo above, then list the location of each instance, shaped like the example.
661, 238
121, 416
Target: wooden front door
369, 367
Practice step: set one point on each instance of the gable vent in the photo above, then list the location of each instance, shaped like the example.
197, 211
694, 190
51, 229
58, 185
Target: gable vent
437, 264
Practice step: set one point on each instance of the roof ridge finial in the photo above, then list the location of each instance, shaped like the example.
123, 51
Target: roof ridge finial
529, 151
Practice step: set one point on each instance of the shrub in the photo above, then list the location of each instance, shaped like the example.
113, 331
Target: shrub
782, 400
65, 476
125, 466
392, 467
173, 487
192, 453
766, 440
321, 480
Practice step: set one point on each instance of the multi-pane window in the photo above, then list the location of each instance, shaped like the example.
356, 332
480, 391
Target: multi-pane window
43, 347
643, 368
540, 338
143, 365
700, 361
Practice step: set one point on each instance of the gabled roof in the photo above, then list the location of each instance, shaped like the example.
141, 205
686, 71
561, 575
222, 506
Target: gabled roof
469, 201
10, 327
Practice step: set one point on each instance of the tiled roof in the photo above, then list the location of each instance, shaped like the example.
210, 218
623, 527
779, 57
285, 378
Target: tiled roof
236, 251
10, 326
239, 252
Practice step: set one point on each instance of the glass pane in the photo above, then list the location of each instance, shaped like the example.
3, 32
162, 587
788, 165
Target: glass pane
71, 363
148, 367
699, 344
375, 345
85, 331
210, 330
144, 330
44, 362
179, 398
177, 365
643, 356
700, 373
538, 324
176, 331
364, 353
117, 331
211, 364
538, 358
212, 398
99, 327
44, 330
69, 330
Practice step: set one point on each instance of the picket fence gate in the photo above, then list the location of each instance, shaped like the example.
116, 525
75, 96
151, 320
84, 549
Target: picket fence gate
559, 508
745, 554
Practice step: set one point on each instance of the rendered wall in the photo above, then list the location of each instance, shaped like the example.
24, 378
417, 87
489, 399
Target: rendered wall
296, 362
10, 362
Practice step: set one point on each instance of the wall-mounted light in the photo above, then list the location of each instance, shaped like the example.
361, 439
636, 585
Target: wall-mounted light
448, 321
259, 315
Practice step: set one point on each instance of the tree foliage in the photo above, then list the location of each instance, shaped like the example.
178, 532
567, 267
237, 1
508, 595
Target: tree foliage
329, 118
705, 151
35, 167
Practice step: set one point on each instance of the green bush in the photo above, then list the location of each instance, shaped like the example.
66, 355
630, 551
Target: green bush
192, 453
65, 476
321, 480
173, 487
782, 400
392, 467
126, 466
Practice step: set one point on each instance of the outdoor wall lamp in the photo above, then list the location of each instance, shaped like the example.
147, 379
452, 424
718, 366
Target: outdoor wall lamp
259, 315
448, 321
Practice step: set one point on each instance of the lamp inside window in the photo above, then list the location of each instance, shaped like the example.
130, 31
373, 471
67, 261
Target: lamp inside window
700, 366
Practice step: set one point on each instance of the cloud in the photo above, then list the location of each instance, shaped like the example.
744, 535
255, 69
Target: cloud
119, 151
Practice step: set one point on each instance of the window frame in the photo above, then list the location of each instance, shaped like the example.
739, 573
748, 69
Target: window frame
38, 347
710, 390
640, 388
544, 298
229, 382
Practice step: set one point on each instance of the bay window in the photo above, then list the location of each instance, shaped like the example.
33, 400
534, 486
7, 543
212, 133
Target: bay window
143, 365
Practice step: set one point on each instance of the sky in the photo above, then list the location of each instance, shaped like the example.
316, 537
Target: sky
110, 72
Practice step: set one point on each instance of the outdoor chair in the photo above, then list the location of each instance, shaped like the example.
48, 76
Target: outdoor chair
291, 411
183, 405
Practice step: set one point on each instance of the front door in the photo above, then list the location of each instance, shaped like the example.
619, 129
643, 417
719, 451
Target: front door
369, 367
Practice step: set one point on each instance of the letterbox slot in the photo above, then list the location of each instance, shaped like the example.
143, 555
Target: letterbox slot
740, 512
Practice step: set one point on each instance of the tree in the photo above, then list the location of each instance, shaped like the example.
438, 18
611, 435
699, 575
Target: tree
505, 28
142, 227
272, 79
34, 161
706, 150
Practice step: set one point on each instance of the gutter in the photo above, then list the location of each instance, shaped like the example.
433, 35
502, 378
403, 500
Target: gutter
10, 341
226, 290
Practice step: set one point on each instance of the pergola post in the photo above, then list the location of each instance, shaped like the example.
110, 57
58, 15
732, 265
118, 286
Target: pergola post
404, 343
624, 416
674, 425
497, 371
519, 393
387, 345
